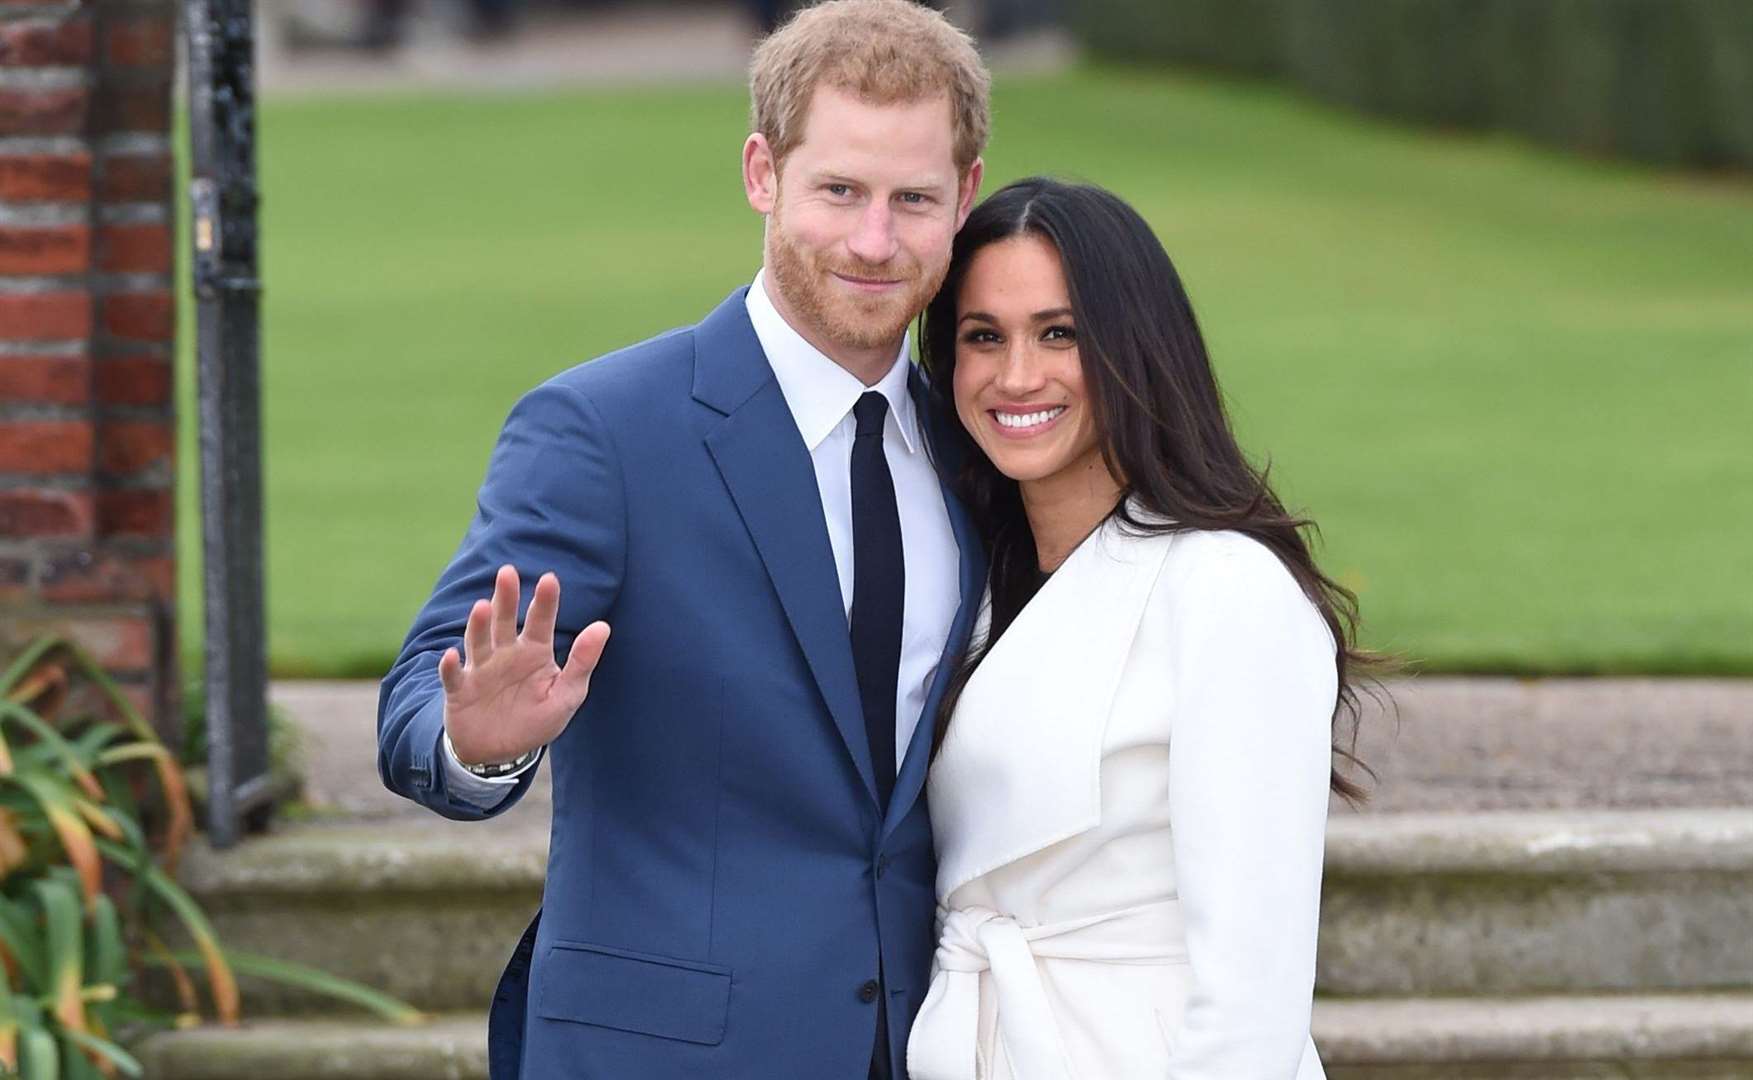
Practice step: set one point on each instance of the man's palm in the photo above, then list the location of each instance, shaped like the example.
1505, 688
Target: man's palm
511, 697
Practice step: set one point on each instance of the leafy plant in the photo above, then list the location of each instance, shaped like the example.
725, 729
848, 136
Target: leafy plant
83, 885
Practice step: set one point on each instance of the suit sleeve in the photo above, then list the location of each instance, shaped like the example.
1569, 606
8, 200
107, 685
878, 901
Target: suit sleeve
553, 499
1249, 759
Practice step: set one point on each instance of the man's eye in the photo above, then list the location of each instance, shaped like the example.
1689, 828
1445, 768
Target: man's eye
839, 191
914, 198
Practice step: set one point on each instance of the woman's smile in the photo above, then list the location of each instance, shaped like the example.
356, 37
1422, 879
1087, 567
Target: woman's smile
1016, 422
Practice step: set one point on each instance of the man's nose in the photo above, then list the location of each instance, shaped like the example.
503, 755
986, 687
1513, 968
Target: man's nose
873, 241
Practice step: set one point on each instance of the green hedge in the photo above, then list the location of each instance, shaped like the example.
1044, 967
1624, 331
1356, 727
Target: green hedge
1667, 81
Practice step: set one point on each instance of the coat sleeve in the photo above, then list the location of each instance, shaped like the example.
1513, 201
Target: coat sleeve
1249, 758
553, 499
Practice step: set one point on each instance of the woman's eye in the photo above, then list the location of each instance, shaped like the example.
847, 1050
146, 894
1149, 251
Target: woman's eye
1060, 333
979, 337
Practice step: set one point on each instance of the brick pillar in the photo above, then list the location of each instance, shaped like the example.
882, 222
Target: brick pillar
87, 324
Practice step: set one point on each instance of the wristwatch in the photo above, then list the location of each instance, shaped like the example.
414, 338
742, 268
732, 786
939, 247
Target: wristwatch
492, 770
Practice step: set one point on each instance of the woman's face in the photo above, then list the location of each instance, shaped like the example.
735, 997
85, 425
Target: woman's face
1019, 383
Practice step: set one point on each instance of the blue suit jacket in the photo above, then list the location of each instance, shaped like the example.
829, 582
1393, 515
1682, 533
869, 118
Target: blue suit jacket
720, 883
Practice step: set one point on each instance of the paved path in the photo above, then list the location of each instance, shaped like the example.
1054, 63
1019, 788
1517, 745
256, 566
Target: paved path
1459, 744
628, 44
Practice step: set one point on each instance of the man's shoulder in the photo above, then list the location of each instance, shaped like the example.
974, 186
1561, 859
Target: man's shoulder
636, 373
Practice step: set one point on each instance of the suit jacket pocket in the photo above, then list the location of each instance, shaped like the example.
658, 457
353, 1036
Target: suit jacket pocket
628, 991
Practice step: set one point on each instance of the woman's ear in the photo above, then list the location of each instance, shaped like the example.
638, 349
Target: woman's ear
760, 174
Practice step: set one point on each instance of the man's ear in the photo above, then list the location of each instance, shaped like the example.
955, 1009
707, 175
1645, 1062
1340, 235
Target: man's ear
760, 174
968, 190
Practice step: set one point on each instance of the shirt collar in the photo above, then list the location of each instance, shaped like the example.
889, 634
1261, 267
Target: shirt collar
820, 392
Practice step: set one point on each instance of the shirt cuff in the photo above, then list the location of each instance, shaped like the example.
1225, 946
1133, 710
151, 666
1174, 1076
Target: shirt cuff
485, 792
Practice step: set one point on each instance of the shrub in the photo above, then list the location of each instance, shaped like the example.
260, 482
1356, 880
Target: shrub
1665, 81
94, 810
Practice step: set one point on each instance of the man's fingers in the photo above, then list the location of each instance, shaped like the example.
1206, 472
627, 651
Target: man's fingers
450, 671
477, 643
587, 652
538, 622
505, 596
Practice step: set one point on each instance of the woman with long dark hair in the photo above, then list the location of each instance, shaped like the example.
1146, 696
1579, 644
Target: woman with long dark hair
1131, 776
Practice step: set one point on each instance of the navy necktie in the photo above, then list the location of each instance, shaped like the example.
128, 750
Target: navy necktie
879, 581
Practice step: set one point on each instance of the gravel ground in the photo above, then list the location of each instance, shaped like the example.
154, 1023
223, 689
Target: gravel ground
1457, 744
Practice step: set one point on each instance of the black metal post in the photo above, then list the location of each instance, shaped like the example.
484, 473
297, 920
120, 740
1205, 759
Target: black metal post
223, 197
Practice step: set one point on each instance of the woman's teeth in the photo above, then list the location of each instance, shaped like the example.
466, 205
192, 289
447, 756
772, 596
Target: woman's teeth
1023, 420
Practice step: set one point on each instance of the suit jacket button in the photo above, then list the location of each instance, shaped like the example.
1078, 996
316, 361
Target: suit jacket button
868, 992
882, 865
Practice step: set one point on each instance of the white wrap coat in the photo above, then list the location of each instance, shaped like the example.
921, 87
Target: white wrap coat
1130, 809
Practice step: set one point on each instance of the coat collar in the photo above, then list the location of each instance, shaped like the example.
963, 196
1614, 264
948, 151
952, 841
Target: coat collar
729, 366
820, 392
768, 471
1020, 769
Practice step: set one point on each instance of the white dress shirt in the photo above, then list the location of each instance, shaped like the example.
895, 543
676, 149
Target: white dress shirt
820, 394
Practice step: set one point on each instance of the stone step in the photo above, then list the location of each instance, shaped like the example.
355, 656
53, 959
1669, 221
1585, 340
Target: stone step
1700, 1036
447, 1047
1414, 904
426, 912
1705, 1036
1538, 902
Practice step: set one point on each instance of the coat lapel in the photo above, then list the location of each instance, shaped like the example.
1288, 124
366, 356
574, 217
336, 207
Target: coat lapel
973, 583
767, 469
1021, 767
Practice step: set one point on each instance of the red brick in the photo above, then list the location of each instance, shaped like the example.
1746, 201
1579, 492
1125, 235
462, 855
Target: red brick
45, 44
139, 41
135, 178
135, 513
42, 112
45, 249
84, 576
46, 177
134, 380
144, 700
129, 105
135, 249
45, 446
119, 640
53, 316
142, 316
84, 698
44, 513
15, 578
62, 380
129, 446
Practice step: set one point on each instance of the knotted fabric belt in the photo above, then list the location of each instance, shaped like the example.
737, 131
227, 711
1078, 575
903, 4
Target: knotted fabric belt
973, 940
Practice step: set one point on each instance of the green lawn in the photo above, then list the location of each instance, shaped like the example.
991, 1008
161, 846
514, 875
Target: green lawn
1515, 389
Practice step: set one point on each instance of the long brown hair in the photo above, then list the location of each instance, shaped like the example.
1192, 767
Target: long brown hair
1164, 426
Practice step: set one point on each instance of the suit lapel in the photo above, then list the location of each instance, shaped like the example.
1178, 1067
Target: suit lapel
972, 581
767, 469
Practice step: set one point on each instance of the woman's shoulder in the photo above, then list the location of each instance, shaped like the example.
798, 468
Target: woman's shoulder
1229, 555
1234, 578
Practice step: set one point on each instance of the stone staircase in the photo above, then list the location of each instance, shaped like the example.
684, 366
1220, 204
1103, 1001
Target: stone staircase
1539, 893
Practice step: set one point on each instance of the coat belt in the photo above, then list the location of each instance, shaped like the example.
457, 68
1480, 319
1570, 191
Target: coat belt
975, 939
